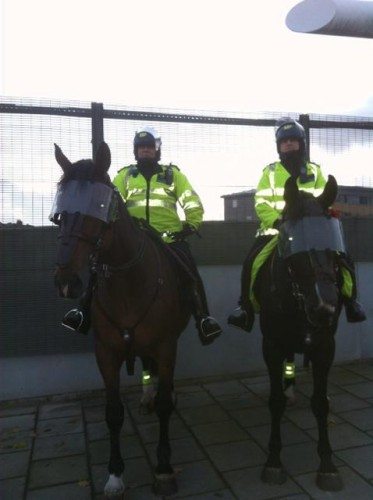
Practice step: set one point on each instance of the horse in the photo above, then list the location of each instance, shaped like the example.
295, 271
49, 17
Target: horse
298, 290
137, 309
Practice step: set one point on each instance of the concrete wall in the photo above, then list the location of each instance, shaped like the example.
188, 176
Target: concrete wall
234, 352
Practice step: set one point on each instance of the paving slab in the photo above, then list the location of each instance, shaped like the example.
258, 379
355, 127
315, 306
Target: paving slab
239, 401
305, 419
203, 414
58, 446
74, 491
15, 440
218, 432
59, 410
59, 470
361, 390
59, 426
360, 459
344, 436
99, 451
231, 456
362, 419
183, 450
16, 423
197, 478
192, 399
341, 376
14, 464
12, 489
229, 387
14, 410
150, 432
302, 458
365, 369
99, 430
250, 418
246, 484
290, 434
354, 487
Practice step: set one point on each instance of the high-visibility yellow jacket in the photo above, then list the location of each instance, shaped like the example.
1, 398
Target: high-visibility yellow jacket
155, 200
269, 196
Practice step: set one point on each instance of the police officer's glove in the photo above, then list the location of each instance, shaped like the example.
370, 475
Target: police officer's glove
187, 230
277, 223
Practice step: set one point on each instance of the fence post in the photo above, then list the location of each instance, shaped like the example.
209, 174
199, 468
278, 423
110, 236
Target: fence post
97, 126
304, 120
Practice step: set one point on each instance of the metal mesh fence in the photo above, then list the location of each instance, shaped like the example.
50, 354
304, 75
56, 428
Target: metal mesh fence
220, 155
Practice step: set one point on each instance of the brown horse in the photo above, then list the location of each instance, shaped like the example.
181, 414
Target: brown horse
137, 309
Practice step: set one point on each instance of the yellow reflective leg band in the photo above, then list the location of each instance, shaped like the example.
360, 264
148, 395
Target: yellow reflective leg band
146, 377
289, 370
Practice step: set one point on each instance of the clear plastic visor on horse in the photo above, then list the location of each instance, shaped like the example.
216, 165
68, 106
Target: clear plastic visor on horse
83, 197
311, 233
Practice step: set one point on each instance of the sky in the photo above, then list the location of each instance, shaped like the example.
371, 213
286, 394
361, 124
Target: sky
209, 55
234, 55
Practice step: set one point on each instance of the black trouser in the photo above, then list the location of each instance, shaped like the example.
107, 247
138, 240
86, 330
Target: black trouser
185, 261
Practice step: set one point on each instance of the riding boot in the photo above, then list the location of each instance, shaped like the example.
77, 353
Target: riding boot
207, 326
354, 311
243, 316
79, 319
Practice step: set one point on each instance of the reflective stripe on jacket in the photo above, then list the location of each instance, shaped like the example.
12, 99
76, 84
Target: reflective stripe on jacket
269, 196
155, 201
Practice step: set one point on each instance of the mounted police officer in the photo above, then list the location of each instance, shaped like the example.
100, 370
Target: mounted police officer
151, 191
269, 204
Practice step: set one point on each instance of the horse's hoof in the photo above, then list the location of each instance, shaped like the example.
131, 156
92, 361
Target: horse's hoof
273, 475
164, 484
329, 481
114, 487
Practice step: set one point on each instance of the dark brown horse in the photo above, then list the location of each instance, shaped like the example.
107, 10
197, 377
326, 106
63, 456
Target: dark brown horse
136, 308
300, 303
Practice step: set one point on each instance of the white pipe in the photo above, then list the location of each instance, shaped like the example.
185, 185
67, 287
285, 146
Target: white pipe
333, 17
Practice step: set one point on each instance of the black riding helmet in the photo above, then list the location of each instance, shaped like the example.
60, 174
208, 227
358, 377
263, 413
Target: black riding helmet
287, 128
147, 137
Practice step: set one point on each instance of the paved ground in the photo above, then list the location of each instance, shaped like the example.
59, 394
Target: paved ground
58, 449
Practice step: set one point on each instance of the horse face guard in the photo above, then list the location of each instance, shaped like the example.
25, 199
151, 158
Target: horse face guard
309, 247
77, 201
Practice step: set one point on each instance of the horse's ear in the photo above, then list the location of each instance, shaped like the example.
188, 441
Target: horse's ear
103, 157
291, 190
328, 196
63, 162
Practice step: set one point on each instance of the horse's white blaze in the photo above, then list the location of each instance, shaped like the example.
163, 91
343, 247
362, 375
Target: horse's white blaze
114, 486
65, 290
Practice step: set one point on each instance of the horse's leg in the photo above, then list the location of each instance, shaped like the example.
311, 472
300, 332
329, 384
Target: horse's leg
273, 471
165, 482
148, 391
109, 366
328, 477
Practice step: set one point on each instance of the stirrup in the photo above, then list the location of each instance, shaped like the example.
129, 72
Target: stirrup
76, 321
241, 319
208, 329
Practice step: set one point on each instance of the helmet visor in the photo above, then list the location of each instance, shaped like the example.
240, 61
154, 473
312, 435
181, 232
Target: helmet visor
84, 197
311, 233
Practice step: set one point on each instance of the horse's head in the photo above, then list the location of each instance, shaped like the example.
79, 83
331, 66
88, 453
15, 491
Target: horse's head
309, 241
82, 209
